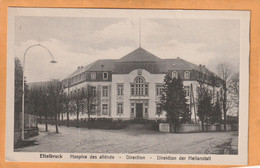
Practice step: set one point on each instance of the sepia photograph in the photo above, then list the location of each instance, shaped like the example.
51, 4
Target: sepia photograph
122, 85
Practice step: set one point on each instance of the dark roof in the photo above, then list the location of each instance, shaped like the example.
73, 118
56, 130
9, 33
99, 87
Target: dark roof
99, 65
139, 55
140, 58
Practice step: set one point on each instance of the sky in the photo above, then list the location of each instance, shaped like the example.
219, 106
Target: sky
78, 41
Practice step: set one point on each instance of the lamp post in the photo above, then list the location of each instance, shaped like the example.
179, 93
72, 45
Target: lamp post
52, 61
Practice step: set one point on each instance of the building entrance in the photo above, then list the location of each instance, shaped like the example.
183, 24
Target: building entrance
139, 110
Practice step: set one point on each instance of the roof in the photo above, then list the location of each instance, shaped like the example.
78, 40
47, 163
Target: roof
140, 55
140, 58
104, 65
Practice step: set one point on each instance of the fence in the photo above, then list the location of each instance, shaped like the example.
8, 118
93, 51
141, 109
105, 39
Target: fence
30, 125
188, 128
30, 121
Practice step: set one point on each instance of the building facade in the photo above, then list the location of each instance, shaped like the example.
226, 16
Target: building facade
130, 87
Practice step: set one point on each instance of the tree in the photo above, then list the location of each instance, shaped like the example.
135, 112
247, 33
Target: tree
34, 101
66, 99
174, 101
205, 106
85, 98
90, 99
54, 100
18, 91
216, 115
224, 72
233, 88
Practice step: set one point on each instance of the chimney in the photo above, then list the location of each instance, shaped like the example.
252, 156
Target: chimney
178, 57
78, 67
200, 65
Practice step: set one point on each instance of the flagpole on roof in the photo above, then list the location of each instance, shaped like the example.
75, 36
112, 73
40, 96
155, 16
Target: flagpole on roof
140, 32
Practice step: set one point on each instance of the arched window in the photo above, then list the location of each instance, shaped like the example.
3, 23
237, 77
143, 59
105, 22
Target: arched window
139, 87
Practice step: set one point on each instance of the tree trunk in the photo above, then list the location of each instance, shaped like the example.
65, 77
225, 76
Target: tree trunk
68, 118
40, 119
46, 124
56, 124
202, 125
225, 106
88, 113
77, 115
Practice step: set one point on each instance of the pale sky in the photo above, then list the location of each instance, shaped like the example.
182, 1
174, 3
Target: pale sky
79, 41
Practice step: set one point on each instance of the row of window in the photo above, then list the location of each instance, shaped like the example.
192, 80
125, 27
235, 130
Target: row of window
120, 109
186, 74
93, 75
140, 80
136, 90
142, 90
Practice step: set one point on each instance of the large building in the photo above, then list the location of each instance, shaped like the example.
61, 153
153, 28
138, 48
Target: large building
130, 87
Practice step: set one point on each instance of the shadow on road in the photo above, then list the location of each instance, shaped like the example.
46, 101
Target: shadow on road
25, 143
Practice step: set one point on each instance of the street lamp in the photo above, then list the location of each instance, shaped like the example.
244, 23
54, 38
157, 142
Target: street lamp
52, 61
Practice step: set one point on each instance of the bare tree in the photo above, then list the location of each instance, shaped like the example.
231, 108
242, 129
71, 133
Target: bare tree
84, 98
206, 98
66, 99
205, 105
55, 100
90, 99
224, 72
233, 88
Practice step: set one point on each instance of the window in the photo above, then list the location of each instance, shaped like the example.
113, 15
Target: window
146, 109
93, 90
120, 89
187, 91
158, 108
105, 91
132, 89
132, 108
159, 89
120, 109
174, 74
187, 75
104, 109
146, 89
105, 75
139, 88
93, 75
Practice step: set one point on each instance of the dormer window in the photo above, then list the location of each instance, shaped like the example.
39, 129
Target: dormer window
174, 74
93, 75
187, 75
105, 75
